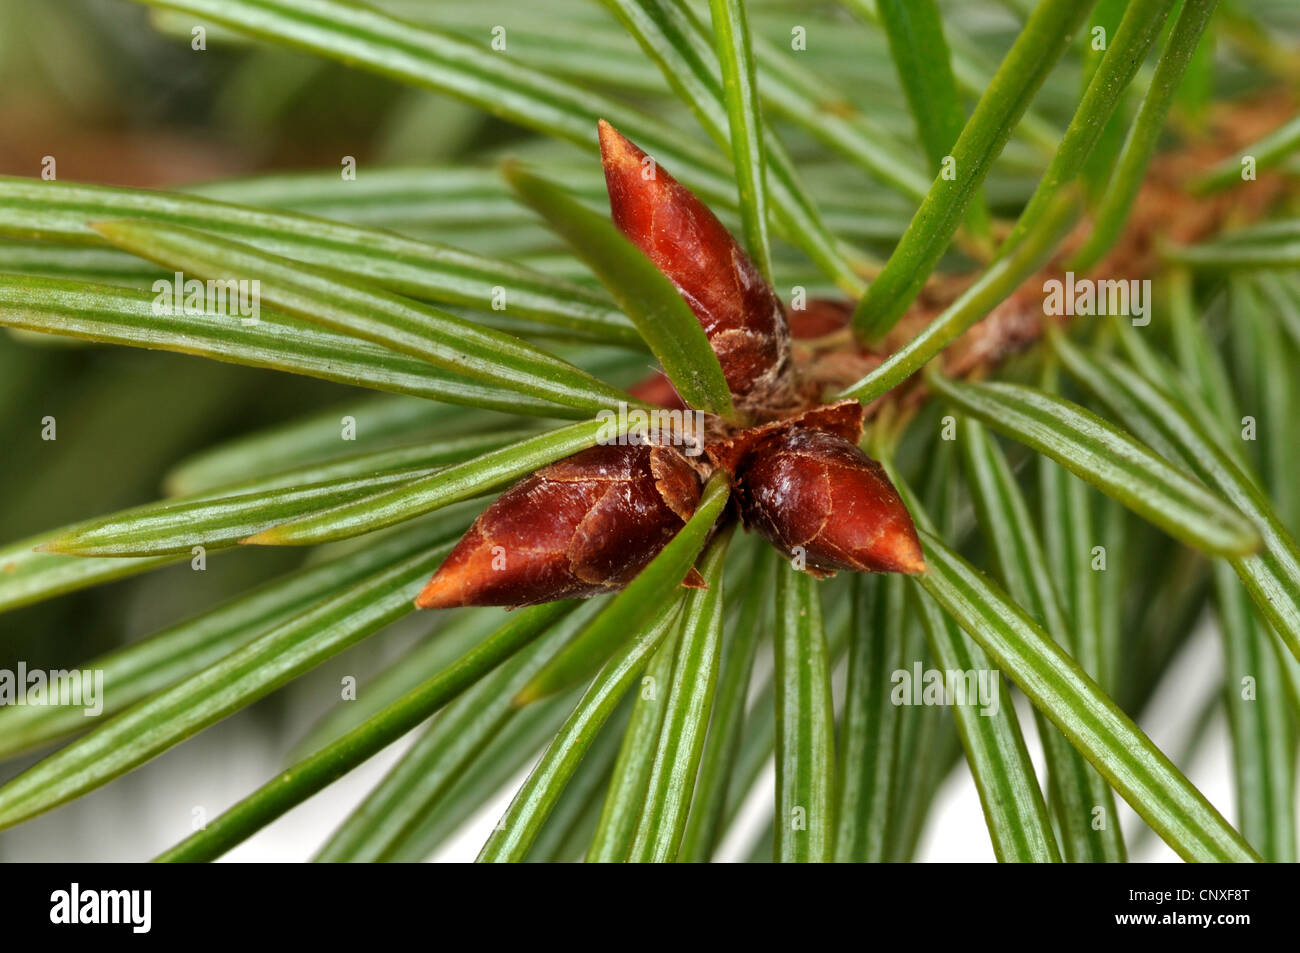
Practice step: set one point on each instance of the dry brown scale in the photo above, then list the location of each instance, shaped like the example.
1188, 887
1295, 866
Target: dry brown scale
1164, 211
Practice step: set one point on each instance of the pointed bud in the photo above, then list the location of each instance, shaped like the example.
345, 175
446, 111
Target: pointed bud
574, 529
739, 311
815, 490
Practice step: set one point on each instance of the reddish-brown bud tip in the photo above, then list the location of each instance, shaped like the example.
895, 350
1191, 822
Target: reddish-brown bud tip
576, 528
739, 311
815, 495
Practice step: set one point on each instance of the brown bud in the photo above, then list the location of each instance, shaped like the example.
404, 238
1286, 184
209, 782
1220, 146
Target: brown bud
844, 419
574, 529
816, 490
739, 311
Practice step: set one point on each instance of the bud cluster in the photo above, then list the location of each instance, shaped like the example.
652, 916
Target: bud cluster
590, 523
